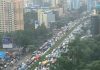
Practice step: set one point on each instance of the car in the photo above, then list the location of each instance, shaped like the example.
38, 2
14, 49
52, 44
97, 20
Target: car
34, 53
23, 66
2, 64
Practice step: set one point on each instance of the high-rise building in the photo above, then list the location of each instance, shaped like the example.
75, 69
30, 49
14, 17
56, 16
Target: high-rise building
90, 5
28, 3
68, 4
84, 1
18, 12
73, 4
38, 2
55, 3
59, 12
11, 15
46, 3
46, 17
65, 5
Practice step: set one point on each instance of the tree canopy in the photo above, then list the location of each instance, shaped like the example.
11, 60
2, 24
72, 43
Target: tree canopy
29, 37
81, 55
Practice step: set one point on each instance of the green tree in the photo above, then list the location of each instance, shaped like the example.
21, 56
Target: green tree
95, 65
62, 64
29, 19
22, 38
31, 37
30, 16
82, 55
41, 35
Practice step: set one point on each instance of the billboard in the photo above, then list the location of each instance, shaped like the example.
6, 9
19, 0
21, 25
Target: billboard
7, 42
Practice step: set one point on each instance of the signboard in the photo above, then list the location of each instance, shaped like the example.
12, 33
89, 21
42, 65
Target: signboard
7, 42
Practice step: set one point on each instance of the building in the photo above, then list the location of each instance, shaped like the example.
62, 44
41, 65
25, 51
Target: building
73, 4
46, 3
84, 2
46, 17
59, 11
11, 15
65, 5
90, 5
68, 4
97, 7
38, 2
55, 3
19, 16
28, 3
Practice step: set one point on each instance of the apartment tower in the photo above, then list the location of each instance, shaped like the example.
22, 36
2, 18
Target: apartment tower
11, 15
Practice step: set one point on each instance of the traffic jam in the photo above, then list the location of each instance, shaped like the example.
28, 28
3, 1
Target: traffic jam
56, 53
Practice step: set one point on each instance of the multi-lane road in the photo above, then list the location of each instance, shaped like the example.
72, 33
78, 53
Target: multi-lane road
51, 57
67, 31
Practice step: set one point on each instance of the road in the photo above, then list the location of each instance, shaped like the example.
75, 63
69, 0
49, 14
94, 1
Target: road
62, 48
71, 26
23, 59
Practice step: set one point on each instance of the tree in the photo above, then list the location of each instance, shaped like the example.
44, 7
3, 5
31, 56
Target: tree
22, 38
62, 64
31, 37
41, 35
95, 65
81, 55
29, 19
30, 16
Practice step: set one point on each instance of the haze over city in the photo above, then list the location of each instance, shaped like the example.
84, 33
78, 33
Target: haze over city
49, 34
